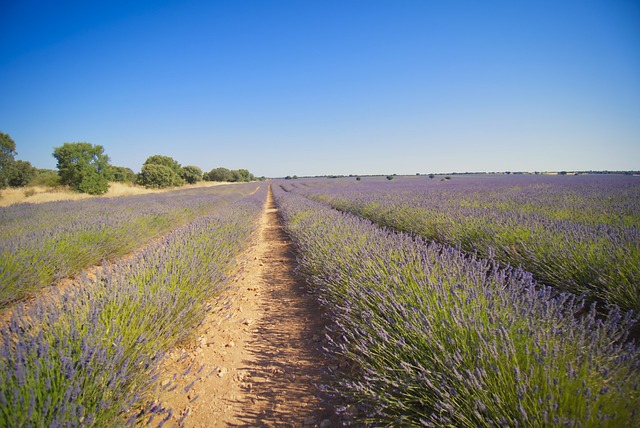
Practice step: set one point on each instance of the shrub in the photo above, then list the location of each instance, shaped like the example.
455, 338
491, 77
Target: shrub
93, 183
230, 175
158, 176
164, 160
46, 177
83, 166
219, 174
191, 174
241, 175
21, 173
121, 174
7, 154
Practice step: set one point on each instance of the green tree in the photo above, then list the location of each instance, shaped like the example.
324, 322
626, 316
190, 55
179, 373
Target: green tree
158, 176
191, 174
21, 173
7, 158
164, 160
241, 175
93, 183
83, 166
245, 175
219, 174
121, 174
46, 177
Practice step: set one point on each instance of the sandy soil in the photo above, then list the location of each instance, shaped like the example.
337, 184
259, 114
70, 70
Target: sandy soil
257, 363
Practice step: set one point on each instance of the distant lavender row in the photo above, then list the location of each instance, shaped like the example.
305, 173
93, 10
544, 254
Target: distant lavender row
87, 356
435, 338
40, 244
580, 234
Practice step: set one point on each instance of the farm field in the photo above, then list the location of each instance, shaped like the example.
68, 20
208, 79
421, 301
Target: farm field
436, 336
576, 233
43, 243
311, 214
39, 194
86, 353
474, 301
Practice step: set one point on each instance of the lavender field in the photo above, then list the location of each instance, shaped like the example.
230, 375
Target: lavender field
425, 334
41, 244
472, 301
575, 233
87, 355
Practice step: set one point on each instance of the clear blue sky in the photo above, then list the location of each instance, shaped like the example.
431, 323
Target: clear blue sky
327, 86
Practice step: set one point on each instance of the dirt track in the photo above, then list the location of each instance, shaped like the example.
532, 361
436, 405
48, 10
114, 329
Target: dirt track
256, 364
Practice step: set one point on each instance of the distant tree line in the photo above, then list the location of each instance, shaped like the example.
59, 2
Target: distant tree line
86, 168
229, 175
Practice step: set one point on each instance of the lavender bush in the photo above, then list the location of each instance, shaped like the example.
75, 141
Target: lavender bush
426, 336
88, 355
40, 244
580, 234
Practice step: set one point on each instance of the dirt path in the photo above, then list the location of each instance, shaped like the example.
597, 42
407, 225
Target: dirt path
257, 363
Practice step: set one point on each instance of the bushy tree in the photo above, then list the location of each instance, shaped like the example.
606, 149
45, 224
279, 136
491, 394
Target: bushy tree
121, 174
164, 160
191, 174
21, 173
83, 166
7, 158
7, 148
219, 174
229, 175
46, 177
13, 172
242, 175
93, 183
158, 176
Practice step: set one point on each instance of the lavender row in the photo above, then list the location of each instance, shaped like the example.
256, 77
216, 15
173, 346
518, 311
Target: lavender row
88, 355
425, 335
41, 244
579, 234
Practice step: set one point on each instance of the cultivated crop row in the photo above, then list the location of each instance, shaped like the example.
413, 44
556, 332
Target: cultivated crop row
434, 337
87, 355
580, 234
41, 244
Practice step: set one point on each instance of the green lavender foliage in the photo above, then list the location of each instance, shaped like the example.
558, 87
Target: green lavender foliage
435, 338
41, 244
87, 356
578, 234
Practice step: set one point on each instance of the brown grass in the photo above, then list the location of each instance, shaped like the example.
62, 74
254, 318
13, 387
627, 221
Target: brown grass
39, 194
